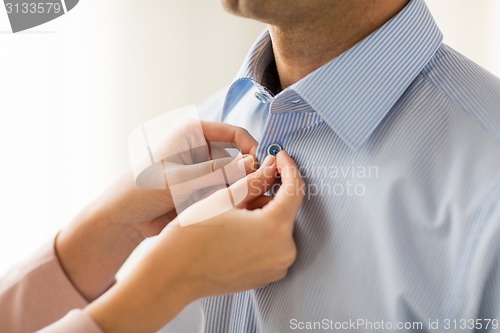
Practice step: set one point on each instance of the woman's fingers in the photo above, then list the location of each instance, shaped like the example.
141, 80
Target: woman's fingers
260, 202
209, 173
199, 150
193, 177
289, 197
220, 132
242, 193
237, 195
255, 184
249, 188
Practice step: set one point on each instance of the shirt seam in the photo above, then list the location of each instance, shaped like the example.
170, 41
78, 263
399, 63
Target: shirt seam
458, 105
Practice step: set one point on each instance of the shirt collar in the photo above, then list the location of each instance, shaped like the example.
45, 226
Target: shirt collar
356, 90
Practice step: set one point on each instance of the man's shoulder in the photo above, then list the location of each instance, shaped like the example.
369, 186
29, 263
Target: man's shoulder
470, 87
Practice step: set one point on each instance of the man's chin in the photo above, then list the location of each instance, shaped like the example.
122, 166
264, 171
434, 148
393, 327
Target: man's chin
231, 6
253, 9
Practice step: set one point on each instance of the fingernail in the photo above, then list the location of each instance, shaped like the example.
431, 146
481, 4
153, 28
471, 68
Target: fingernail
247, 161
268, 161
247, 157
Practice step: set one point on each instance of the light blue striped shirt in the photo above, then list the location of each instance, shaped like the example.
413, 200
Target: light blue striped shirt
398, 142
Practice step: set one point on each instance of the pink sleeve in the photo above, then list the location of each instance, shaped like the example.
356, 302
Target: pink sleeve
37, 293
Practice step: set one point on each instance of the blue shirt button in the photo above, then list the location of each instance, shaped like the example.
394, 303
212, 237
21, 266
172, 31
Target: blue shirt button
274, 149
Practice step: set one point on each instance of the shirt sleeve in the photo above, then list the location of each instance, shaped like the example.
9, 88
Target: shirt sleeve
37, 293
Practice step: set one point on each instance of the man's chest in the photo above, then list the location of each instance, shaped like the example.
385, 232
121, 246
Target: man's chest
383, 232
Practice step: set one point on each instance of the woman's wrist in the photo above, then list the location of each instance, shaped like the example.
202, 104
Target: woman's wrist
92, 249
147, 299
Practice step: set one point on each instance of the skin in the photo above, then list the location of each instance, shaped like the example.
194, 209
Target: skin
247, 247
307, 34
254, 239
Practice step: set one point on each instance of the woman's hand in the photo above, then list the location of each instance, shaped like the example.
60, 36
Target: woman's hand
149, 210
243, 248
101, 238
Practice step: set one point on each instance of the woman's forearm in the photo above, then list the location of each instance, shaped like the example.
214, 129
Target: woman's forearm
150, 297
92, 249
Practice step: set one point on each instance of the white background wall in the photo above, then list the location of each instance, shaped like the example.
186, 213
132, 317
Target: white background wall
72, 90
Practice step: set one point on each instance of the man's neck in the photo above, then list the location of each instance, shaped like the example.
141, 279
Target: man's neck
302, 46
